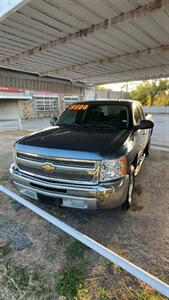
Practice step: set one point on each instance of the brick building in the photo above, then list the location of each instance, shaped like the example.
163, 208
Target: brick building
20, 103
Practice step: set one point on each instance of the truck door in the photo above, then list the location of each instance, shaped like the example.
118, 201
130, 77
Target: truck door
145, 132
139, 134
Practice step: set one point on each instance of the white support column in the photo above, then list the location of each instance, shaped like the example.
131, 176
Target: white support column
20, 123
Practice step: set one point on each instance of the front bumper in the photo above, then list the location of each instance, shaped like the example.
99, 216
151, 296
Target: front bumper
107, 195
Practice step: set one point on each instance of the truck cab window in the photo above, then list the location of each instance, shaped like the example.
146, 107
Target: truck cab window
137, 115
141, 112
96, 115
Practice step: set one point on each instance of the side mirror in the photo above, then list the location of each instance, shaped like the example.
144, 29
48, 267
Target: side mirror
53, 121
145, 124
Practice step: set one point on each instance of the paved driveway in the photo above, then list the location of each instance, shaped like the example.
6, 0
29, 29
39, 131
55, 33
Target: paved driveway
160, 134
35, 124
161, 130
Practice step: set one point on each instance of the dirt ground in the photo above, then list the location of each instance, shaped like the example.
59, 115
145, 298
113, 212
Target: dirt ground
39, 261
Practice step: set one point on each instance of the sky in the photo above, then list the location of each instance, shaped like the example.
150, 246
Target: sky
125, 86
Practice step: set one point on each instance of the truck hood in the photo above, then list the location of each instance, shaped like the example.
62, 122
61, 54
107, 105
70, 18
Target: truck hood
74, 142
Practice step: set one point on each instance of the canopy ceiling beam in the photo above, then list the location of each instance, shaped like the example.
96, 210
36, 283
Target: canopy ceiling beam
105, 25
107, 61
158, 71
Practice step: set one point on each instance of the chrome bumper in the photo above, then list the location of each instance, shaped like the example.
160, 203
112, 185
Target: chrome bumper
107, 195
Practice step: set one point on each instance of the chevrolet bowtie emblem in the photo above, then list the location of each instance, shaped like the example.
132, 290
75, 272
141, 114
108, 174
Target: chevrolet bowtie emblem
48, 168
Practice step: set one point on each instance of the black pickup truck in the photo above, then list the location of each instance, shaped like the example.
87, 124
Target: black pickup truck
88, 159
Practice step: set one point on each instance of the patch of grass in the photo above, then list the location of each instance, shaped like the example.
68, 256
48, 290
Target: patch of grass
104, 293
4, 176
145, 294
24, 131
2, 180
62, 240
54, 213
16, 132
114, 268
4, 249
82, 293
19, 281
75, 250
1, 225
69, 282
40, 285
51, 257
16, 277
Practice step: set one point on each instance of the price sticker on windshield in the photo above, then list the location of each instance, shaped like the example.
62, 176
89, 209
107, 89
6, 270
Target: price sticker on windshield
78, 107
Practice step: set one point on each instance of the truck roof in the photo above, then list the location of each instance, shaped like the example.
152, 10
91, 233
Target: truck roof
101, 101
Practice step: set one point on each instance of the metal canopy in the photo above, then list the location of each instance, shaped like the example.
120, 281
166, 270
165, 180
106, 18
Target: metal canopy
91, 41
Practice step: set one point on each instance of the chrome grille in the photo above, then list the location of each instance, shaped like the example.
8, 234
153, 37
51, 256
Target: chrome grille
64, 170
59, 162
58, 174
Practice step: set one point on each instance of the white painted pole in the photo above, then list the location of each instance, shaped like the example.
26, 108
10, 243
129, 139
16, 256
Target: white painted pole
139, 273
20, 123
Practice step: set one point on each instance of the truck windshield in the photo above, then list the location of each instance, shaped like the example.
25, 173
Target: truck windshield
96, 115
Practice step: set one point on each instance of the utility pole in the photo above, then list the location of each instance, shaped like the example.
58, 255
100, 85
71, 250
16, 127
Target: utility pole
95, 96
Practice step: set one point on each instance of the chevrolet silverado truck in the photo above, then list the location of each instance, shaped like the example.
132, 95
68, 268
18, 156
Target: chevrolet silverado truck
88, 159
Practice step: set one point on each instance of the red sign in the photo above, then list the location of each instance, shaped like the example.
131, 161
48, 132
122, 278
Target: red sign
11, 90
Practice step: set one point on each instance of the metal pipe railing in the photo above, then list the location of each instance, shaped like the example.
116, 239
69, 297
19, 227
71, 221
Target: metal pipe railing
131, 268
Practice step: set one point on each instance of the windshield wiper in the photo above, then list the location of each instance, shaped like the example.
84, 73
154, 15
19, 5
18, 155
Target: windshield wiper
73, 124
89, 125
107, 126
98, 126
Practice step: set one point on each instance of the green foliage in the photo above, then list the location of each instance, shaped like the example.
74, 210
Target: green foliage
4, 248
16, 277
152, 93
62, 240
104, 293
102, 88
51, 257
145, 295
70, 280
75, 250
71, 277
82, 293
23, 283
55, 213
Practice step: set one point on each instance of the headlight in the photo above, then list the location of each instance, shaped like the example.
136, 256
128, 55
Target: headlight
113, 169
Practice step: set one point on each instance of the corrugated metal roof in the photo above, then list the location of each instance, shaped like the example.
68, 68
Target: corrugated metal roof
90, 41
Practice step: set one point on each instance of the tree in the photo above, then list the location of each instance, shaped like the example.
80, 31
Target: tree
152, 93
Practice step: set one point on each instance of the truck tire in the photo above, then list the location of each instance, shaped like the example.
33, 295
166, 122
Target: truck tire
129, 200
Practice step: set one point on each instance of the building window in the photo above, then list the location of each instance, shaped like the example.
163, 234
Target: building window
71, 99
47, 103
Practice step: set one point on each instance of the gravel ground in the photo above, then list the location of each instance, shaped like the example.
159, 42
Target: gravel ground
141, 234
